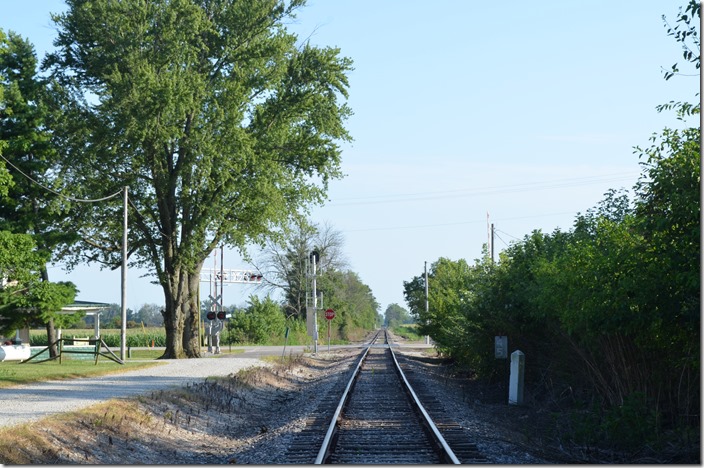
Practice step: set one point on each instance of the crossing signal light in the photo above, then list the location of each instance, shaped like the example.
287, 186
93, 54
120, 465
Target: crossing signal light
221, 315
210, 315
252, 276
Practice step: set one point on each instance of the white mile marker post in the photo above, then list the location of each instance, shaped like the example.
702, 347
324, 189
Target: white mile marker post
515, 386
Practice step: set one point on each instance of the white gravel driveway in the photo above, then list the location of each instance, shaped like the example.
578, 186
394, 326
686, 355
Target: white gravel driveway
25, 403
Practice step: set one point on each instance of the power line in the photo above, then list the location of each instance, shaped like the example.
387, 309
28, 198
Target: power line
528, 186
79, 200
509, 235
395, 228
497, 235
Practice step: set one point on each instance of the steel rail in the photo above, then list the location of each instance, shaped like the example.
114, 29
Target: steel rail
448, 454
323, 452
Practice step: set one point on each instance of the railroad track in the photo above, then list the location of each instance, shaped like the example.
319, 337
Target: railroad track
379, 419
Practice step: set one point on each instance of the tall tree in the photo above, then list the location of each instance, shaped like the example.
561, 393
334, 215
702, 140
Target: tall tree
5, 178
285, 261
447, 289
25, 126
356, 308
222, 127
396, 315
149, 315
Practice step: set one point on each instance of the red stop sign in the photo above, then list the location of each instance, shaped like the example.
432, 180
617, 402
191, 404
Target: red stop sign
329, 314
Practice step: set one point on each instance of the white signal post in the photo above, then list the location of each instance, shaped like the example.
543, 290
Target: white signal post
314, 256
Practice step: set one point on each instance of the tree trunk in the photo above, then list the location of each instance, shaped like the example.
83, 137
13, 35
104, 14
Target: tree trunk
182, 315
51, 336
173, 324
191, 336
50, 329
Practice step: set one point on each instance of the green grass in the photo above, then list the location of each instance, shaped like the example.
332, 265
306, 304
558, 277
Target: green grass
16, 373
145, 354
409, 332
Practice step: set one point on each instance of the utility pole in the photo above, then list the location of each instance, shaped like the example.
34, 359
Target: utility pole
492, 242
123, 293
427, 305
222, 277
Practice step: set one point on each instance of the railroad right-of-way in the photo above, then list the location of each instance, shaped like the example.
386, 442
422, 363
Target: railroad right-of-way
376, 417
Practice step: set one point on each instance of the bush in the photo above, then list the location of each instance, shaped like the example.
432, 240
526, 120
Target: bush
262, 322
409, 332
628, 427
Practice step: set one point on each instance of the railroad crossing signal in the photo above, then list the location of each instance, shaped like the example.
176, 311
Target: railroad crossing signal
216, 305
329, 314
231, 276
216, 301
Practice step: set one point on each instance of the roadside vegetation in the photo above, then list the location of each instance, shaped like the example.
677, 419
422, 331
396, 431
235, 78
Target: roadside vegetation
608, 312
408, 332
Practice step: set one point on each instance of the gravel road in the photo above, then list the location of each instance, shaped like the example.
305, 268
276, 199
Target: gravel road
25, 403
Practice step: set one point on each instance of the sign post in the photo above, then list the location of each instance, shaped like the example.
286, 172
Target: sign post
285, 343
329, 314
501, 347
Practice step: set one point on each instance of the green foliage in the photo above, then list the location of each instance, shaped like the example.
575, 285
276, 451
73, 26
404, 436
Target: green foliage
609, 312
27, 115
149, 315
409, 332
396, 315
287, 266
26, 300
629, 426
26, 120
686, 32
609, 309
287, 261
356, 308
222, 127
260, 323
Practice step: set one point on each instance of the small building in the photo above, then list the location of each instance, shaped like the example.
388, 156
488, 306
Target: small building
17, 348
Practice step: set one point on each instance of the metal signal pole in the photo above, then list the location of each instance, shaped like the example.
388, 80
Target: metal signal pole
314, 259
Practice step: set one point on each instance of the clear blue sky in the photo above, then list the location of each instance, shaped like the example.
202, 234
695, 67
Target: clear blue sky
526, 110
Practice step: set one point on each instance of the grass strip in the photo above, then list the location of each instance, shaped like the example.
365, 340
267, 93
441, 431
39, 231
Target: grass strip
16, 373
